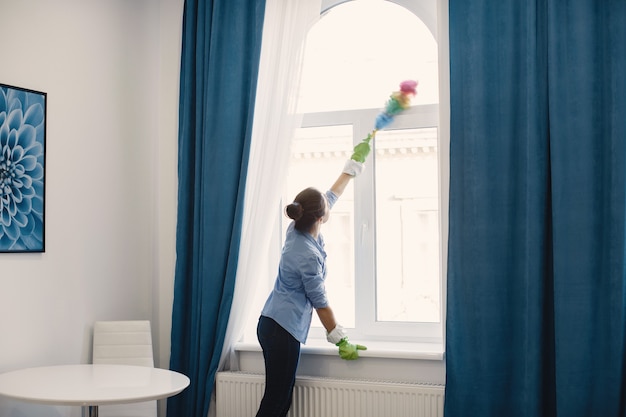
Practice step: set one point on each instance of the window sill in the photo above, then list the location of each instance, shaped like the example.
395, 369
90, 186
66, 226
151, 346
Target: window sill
375, 349
420, 363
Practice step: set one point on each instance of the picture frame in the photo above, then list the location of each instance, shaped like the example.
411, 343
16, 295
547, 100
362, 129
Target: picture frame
23, 120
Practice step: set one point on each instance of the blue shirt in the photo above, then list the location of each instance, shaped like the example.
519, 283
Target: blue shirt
299, 286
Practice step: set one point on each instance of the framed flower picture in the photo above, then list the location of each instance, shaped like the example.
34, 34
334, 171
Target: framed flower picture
22, 169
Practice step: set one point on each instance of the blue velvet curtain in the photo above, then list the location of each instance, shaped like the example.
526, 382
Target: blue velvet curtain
536, 310
219, 66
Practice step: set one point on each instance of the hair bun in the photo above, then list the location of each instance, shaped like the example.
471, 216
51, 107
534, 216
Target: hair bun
294, 210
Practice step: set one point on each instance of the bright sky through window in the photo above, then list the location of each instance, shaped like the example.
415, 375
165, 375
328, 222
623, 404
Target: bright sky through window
355, 56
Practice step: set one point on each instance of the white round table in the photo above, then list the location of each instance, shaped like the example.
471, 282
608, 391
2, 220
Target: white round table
89, 386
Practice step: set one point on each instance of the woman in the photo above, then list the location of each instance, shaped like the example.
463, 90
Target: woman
286, 317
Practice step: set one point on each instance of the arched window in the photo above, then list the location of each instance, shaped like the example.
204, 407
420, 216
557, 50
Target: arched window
384, 236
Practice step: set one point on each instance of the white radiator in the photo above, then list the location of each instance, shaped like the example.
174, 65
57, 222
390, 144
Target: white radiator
238, 394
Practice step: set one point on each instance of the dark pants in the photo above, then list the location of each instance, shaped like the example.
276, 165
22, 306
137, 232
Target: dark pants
281, 352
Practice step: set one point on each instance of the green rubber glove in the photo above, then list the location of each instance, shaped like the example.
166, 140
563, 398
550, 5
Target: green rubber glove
349, 351
362, 149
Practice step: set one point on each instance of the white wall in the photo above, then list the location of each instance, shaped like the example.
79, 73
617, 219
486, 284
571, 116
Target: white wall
110, 69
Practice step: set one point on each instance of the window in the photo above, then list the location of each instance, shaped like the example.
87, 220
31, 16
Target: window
385, 228
384, 236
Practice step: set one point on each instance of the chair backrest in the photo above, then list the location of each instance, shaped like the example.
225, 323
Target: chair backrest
126, 342
123, 342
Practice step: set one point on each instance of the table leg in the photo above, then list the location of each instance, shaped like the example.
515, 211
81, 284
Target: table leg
90, 411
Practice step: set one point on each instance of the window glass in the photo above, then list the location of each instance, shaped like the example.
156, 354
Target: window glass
383, 238
360, 51
407, 226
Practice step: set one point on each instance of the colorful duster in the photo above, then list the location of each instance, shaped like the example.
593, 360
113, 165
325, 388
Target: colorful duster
397, 103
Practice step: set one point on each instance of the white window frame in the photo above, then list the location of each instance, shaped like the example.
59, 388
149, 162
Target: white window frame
367, 327
423, 116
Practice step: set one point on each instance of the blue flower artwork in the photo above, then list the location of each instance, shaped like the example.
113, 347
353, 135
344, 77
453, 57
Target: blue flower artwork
22, 169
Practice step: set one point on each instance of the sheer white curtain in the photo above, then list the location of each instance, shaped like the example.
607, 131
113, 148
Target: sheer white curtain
284, 32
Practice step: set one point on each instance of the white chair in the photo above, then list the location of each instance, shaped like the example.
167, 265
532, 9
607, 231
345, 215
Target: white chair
124, 343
